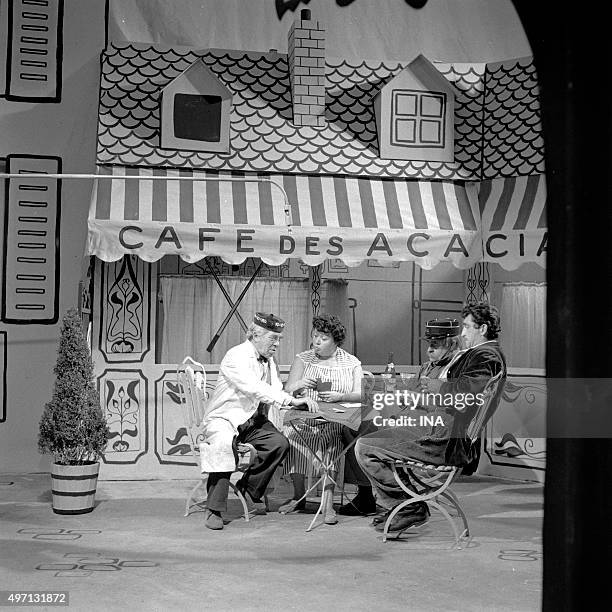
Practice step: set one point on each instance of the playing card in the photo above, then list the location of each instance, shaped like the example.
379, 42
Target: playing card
323, 385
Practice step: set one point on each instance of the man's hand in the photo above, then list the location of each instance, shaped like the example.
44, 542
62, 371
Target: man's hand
310, 404
431, 385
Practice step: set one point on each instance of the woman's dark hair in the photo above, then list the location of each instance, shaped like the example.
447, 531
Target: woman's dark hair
484, 313
330, 325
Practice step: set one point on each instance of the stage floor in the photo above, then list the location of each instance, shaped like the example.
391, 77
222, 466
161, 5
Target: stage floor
136, 551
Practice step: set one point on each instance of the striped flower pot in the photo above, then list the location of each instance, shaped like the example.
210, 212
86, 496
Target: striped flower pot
74, 487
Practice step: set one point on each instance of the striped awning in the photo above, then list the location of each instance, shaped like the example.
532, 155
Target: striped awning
513, 217
154, 212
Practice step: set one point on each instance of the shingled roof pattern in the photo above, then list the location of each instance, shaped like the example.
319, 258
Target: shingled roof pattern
513, 144
263, 138
468, 80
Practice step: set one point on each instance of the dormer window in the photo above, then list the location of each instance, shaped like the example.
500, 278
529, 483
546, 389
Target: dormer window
195, 112
415, 115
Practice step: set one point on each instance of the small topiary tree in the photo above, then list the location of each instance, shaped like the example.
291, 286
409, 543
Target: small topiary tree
73, 428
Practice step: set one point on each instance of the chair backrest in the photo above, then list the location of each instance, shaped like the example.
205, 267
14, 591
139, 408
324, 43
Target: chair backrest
491, 395
191, 379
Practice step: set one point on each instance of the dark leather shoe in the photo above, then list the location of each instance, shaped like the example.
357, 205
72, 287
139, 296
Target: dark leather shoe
214, 521
380, 517
255, 507
383, 515
242, 488
359, 506
404, 520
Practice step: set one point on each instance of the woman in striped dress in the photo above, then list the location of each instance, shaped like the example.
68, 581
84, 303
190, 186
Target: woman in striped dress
312, 373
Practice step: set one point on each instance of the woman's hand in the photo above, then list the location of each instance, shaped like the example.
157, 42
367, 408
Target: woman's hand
297, 388
308, 383
330, 396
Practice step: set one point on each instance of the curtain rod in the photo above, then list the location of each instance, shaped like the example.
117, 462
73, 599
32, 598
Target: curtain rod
228, 276
10, 175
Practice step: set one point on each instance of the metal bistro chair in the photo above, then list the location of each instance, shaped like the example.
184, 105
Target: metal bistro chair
432, 482
191, 379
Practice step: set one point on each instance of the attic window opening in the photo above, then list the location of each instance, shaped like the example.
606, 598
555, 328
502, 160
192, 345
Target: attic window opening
197, 117
418, 118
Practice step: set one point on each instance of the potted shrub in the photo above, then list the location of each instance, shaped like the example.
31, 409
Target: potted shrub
73, 428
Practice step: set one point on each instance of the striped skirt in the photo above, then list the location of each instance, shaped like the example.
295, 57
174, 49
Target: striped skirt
323, 436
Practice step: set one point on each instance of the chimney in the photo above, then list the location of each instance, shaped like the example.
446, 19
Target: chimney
306, 56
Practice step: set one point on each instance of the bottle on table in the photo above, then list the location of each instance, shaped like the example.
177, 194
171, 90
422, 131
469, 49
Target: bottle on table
390, 367
390, 373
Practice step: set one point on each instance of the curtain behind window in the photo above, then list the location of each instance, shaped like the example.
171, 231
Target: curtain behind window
523, 319
334, 300
193, 308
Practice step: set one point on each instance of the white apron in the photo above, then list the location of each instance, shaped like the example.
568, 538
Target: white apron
216, 453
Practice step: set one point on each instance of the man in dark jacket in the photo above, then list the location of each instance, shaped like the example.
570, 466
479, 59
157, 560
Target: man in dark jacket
443, 337
445, 444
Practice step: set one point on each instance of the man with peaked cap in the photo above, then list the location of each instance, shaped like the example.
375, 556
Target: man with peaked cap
247, 386
444, 339
466, 373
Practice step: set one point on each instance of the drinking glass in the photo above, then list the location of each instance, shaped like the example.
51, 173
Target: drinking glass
388, 381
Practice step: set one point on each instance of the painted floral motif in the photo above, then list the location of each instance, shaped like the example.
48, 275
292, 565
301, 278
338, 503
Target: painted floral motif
122, 409
124, 308
512, 391
179, 443
509, 446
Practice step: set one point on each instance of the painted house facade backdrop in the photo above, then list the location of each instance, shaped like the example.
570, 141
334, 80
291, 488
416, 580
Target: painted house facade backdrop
418, 180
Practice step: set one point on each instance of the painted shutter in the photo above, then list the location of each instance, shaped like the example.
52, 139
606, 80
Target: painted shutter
32, 242
34, 62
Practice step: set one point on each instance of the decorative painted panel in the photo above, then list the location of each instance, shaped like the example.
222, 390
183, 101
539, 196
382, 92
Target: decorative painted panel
31, 242
125, 307
85, 301
3, 353
86, 290
124, 398
516, 435
172, 441
478, 283
34, 50
315, 289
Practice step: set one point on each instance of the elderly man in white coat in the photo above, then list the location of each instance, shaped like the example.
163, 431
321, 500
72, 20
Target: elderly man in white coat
248, 385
